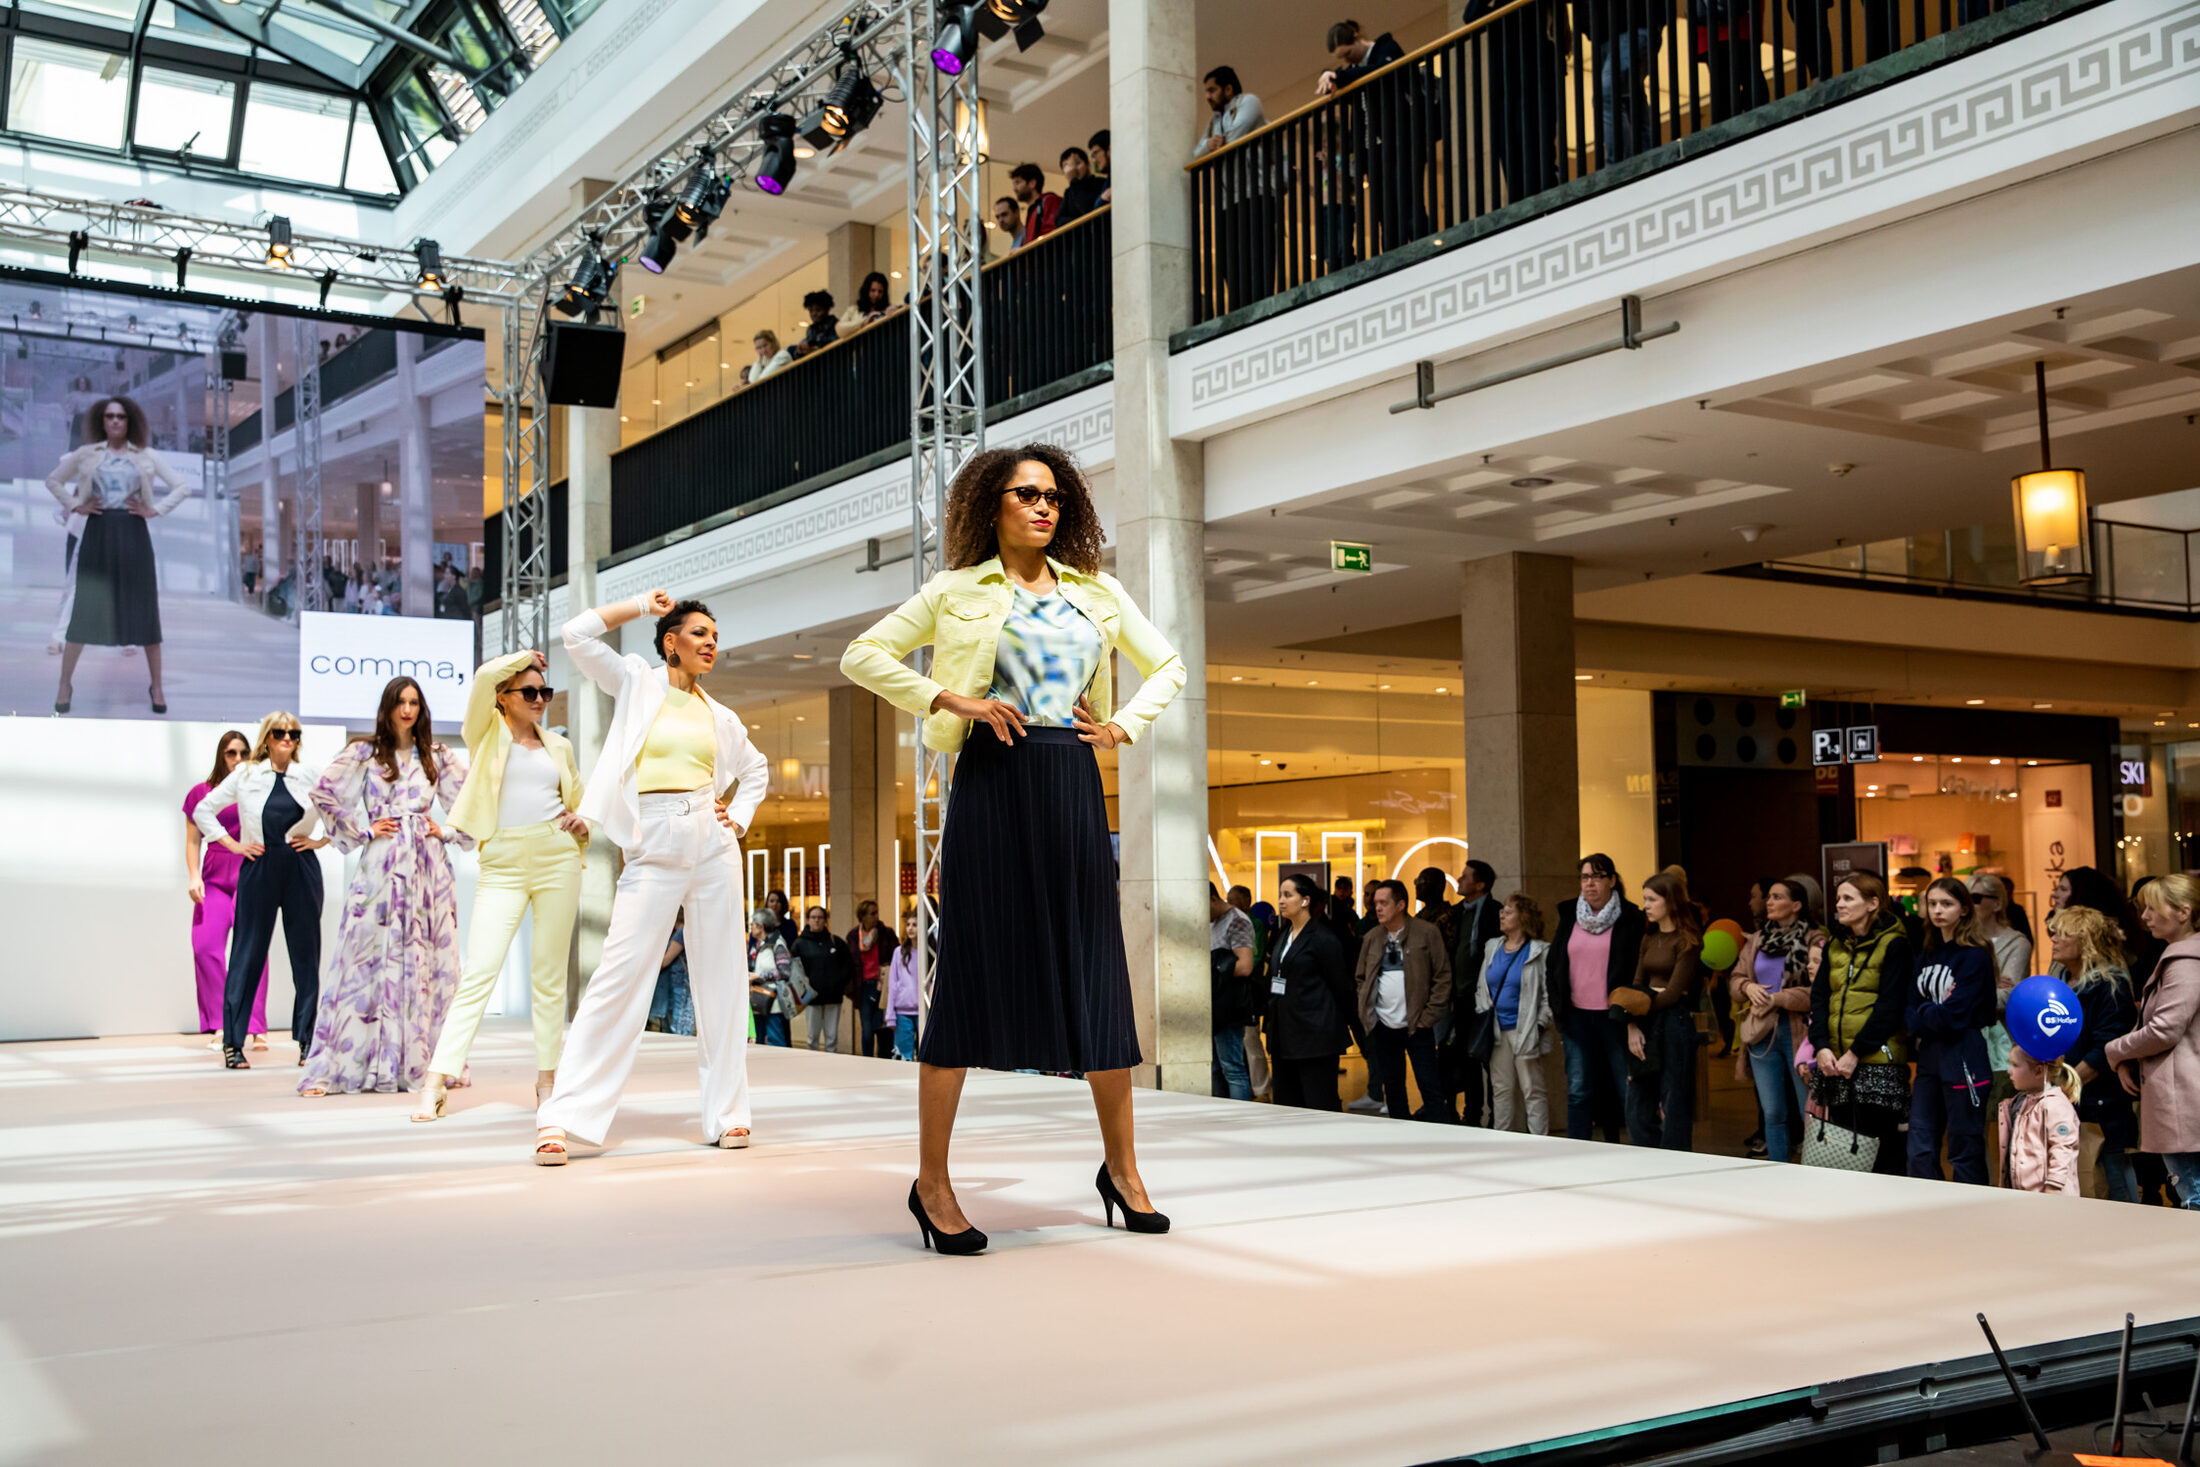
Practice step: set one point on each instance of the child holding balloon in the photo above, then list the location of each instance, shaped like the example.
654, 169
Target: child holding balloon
2039, 1126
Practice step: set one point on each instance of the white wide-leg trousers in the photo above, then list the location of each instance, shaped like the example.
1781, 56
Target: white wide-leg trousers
683, 858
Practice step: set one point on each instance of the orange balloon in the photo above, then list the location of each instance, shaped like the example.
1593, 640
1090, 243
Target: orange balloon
1730, 927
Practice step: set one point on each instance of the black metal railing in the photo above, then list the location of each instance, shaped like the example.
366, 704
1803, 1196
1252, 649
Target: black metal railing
1050, 310
352, 368
1525, 97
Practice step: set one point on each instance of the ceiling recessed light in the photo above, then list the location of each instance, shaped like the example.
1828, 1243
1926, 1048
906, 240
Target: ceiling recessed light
803, 656
1531, 481
1582, 677
1443, 690
2032, 762
1237, 679
1264, 761
2043, 705
1871, 786
1973, 702
1993, 761
1917, 758
1957, 760
1384, 688
1310, 682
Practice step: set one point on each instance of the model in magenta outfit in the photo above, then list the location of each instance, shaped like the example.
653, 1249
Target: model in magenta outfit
212, 873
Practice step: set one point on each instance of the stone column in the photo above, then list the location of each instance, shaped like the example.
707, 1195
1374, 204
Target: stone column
848, 256
590, 436
274, 549
1516, 615
1153, 105
415, 486
860, 730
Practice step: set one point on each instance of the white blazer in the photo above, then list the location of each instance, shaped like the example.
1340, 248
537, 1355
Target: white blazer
248, 787
613, 802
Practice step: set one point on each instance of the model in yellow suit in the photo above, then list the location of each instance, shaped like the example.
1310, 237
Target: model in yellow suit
518, 802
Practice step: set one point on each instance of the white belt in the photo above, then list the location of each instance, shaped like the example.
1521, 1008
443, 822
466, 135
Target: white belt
676, 803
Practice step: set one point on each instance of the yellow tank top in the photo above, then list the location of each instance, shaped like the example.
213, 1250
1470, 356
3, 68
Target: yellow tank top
680, 752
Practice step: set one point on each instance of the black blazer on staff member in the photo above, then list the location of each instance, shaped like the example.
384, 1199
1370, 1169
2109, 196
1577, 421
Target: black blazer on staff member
1308, 1019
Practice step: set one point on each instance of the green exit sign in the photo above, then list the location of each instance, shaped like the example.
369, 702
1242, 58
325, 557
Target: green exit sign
1794, 698
1344, 556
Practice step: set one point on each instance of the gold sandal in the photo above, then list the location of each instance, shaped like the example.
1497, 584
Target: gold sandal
432, 1098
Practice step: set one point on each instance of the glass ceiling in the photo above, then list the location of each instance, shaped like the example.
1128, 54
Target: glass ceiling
305, 91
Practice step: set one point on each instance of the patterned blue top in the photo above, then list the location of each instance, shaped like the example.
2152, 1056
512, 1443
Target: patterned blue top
118, 479
1047, 652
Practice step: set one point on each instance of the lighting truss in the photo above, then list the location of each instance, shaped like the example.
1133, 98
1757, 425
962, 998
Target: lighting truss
308, 583
141, 233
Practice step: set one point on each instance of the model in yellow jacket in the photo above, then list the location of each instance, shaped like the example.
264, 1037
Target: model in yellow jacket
518, 802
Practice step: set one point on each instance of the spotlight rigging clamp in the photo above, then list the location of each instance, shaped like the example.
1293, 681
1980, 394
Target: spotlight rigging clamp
1631, 337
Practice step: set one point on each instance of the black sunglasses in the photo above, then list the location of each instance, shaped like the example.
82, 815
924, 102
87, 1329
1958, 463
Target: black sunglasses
284, 735
536, 695
1027, 495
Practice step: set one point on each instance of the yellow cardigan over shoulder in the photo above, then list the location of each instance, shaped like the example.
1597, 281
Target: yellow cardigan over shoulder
489, 741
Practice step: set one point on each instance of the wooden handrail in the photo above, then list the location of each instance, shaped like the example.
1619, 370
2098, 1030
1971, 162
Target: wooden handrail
1055, 233
1320, 102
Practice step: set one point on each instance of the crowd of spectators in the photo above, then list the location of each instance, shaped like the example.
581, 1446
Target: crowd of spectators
1869, 1029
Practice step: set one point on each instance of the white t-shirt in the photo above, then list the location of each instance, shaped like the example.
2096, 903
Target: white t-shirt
529, 795
1390, 984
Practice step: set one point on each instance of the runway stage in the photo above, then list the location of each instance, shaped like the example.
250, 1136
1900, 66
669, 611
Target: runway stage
198, 1266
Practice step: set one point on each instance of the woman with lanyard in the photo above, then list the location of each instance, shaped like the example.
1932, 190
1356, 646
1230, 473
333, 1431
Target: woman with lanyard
676, 786
281, 877
518, 803
1512, 989
1772, 979
1309, 995
1031, 972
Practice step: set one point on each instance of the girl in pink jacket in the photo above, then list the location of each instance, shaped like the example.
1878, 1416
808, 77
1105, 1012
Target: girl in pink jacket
2039, 1127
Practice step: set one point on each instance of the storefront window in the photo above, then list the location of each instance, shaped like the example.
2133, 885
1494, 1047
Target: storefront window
2027, 820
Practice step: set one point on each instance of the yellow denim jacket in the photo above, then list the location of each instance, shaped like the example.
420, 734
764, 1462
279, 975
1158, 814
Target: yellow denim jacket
960, 613
489, 742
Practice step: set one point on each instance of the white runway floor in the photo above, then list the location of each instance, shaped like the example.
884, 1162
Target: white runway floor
200, 1267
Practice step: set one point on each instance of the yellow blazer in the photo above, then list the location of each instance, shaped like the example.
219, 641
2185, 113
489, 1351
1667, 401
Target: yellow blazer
960, 613
489, 742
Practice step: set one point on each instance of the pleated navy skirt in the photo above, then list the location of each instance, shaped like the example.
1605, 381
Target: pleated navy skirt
117, 583
1031, 973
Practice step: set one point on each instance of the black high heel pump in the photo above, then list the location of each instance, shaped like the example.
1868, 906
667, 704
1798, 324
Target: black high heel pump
1136, 1221
961, 1244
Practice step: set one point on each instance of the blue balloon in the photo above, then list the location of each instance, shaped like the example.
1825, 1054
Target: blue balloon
2045, 1019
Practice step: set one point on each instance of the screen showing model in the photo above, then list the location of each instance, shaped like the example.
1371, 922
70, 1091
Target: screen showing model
180, 479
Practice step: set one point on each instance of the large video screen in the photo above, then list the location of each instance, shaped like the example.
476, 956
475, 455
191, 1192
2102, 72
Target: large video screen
158, 456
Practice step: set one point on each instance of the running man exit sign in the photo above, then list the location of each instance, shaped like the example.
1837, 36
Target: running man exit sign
1345, 556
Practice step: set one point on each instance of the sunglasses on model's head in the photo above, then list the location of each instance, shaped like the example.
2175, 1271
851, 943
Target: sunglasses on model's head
284, 735
1027, 495
535, 695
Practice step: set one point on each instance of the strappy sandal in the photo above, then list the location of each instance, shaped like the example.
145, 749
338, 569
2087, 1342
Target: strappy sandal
432, 1098
233, 1059
734, 1140
550, 1147
259, 1041
543, 1088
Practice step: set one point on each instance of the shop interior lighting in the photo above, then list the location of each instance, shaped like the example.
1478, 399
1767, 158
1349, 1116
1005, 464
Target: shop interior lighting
2054, 526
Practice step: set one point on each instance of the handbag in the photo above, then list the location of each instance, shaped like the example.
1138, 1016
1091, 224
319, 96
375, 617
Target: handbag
1837, 1148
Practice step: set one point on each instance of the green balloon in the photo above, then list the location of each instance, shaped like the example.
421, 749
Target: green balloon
1719, 950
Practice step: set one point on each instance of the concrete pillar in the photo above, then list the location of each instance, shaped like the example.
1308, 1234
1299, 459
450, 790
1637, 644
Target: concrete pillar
590, 436
860, 730
274, 549
1523, 784
415, 486
848, 255
369, 523
1153, 105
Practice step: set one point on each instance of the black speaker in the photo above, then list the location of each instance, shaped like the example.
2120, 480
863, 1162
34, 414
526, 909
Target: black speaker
580, 364
233, 366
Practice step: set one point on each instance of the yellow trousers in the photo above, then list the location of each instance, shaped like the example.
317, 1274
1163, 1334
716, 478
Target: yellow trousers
534, 865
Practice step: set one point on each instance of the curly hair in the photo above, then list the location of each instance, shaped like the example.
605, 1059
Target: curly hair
675, 619
95, 421
974, 508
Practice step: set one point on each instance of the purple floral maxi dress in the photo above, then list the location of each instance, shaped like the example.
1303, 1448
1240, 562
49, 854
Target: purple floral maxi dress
397, 955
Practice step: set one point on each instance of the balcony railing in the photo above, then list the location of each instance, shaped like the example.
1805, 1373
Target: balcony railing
2137, 568
1524, 99
350, 369
1048, 326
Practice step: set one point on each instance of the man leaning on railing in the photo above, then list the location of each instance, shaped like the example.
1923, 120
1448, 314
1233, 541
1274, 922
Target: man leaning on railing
1243, 195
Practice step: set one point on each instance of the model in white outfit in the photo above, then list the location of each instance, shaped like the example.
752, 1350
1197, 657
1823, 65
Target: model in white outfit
682, 848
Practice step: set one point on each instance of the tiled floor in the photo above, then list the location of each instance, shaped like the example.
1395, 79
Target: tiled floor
199, 1266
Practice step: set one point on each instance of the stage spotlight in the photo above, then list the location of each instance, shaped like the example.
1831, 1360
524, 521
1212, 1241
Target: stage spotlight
1020, 16
703, 200
776, 164
79, 241
430, 255
956, 44
278, 242
665, 234
851, 104
590, 288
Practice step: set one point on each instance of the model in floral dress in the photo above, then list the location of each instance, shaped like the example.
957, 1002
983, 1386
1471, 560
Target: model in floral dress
396, 963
